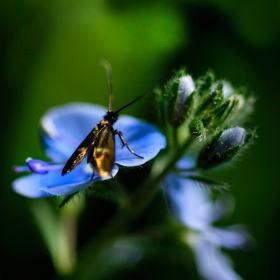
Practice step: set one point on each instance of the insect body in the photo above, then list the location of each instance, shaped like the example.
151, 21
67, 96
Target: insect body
99, 144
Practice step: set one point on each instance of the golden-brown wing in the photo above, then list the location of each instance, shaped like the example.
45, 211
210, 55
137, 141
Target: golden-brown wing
102, 154
81, 151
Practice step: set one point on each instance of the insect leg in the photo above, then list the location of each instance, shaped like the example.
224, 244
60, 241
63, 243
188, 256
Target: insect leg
125, 144
121, 137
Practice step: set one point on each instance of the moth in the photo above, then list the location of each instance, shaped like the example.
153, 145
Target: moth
99, 144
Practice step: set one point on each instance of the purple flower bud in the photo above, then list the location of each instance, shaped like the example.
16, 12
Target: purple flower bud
180, 105
186, 87
223, 148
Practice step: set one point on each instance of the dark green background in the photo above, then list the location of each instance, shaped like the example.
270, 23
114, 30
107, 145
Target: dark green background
50, 53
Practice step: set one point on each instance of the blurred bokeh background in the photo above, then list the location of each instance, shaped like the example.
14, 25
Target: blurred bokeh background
50, 53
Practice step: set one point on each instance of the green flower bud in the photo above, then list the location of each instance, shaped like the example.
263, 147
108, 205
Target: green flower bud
224, 146
211, 101
204, 83
197, 127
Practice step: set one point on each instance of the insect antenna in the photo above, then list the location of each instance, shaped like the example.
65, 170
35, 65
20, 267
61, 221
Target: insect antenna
108, 69
130, 103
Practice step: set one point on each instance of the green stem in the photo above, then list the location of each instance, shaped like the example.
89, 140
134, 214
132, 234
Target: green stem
125, 197
140, 199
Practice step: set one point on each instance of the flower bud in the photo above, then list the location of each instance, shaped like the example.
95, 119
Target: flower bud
222, 149
196, 126
204, 83
182, 101
211, 101
226, 89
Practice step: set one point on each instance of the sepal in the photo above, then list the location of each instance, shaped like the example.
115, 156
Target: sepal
111, 192
221, 112
204, 83
212, 101
66, 199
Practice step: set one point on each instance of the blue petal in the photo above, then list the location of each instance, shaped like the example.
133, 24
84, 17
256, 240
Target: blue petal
186, 162
212, 263
53, 183
143, 138
29, 186
189, 203
64, 127
232, 237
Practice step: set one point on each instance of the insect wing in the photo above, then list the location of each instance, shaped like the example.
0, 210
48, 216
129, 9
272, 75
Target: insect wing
80, 152
102, 155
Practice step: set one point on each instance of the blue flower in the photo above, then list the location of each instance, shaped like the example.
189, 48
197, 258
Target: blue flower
62, 129
192, 206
